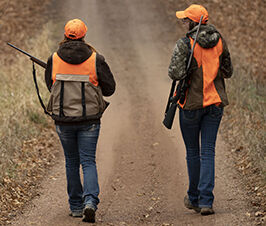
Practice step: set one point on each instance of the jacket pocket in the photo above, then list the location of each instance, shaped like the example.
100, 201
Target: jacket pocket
102, 104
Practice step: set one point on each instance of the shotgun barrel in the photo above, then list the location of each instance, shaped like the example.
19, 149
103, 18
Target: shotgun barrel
34, 59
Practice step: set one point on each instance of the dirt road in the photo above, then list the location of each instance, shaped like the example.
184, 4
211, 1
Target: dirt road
141, 165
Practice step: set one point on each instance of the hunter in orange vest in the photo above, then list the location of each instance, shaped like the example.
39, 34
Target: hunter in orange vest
78, 77
202, 110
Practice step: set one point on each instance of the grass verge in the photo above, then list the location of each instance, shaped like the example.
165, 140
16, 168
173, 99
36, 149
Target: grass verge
244, 130
28, 144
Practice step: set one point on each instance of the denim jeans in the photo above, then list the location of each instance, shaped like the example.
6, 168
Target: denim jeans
79, 143
201, 124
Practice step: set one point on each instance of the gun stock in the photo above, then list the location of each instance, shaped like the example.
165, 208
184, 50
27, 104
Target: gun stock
34, 59
37, 61
170, 95
170, 116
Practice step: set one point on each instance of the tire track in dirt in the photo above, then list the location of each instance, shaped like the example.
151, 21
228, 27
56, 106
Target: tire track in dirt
141, 165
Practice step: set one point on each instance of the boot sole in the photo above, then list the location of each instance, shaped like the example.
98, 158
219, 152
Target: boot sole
189, 206
206, 212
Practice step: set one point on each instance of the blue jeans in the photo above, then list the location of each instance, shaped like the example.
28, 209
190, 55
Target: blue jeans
79, 143
195, 125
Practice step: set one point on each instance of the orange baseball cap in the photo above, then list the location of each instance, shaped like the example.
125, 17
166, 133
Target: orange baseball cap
194, 12
75, 29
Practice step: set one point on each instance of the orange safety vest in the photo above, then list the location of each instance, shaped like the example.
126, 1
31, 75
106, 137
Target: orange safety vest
75, 94
88, 67
208, 60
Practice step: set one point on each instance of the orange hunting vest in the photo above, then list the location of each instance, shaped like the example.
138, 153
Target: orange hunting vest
88, 67
75, 94
208, 61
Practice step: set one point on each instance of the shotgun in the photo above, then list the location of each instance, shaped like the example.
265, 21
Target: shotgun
180, 90
34, 59
41, 63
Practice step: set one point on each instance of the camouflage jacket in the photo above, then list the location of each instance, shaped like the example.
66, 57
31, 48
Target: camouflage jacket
208, 38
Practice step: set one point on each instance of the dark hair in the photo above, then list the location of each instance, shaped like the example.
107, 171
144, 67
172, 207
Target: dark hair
66, 39
192, 24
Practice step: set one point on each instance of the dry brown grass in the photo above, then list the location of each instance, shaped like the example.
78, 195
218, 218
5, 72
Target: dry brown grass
27, 140
22, 116
244, 130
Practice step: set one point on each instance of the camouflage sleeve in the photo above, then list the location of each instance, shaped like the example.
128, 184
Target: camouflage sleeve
226, 64
177, 67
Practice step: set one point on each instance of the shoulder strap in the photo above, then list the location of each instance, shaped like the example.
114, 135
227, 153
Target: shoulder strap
37, 89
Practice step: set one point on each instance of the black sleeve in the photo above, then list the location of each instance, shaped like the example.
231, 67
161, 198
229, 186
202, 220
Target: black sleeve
48, 74
105, 76
226, 64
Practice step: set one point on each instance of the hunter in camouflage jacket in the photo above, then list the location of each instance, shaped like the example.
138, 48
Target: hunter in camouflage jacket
208, 40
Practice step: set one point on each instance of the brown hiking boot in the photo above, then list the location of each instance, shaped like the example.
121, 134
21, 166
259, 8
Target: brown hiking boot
189, 205
76, 213
89, 214
206, 211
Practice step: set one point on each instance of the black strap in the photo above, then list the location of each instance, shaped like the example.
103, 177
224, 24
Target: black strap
61, 111
37, 90
83, 99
